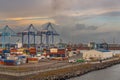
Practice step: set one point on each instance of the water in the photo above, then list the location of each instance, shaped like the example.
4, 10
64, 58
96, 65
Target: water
111, 73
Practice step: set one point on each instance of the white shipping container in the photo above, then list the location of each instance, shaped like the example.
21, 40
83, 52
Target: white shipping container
19, 45
54, 50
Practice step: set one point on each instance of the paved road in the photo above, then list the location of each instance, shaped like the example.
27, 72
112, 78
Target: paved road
34, 68
44, 66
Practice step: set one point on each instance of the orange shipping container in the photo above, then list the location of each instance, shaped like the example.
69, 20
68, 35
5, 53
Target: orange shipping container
2, 62
57, 51
13, 50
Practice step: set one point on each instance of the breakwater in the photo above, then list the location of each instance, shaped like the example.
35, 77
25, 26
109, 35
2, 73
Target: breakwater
66, 73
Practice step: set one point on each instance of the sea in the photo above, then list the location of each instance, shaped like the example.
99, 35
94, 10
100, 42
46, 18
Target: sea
110, 73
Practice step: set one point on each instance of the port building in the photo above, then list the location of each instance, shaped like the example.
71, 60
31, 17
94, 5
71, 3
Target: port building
97, 54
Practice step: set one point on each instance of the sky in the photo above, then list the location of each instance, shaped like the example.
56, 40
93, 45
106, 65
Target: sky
77, 21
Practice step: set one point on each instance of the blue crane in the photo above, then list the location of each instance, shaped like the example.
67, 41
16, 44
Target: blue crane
48, 31
6, 33
30, 31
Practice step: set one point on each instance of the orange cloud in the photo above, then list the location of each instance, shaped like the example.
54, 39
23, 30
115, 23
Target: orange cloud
36, 22
27, 18
22, 21
14, 19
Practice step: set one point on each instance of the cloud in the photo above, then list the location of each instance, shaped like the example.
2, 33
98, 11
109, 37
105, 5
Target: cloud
26, 18
111, 14
65, 20
28, 8
77, 20
23, 21
92, 12
76, 33
85, 33
25, 8
84, 27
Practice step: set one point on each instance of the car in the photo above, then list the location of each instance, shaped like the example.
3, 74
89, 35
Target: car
72, 61
80, 60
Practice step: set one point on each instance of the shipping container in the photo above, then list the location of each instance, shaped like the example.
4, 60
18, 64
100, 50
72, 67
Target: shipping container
9, 62
59, 58
12, 57
32, 60
18, 62
57, 51
61, 51
6, 51
32, 51
13, 50
1, 62
54, 50
23, 59
20, 51
1, 50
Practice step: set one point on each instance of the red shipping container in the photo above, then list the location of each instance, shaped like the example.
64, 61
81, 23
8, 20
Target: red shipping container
32, 50
1, 51
13, 50
61, 51
32, 59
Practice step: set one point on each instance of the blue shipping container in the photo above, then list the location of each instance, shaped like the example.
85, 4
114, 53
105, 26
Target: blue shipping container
6, 51
8, 61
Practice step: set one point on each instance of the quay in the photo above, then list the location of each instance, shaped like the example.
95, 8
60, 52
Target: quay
59, 73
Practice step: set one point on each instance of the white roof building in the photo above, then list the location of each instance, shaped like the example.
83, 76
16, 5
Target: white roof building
99, 54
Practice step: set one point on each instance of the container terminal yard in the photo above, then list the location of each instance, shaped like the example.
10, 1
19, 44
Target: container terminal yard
35, 51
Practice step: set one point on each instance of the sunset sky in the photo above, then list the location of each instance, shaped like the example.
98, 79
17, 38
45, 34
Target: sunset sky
76, 20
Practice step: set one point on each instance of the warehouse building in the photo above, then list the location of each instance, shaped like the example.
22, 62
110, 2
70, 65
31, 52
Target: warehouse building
97, 54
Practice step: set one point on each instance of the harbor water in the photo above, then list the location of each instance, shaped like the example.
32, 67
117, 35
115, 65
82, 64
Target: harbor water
111, 73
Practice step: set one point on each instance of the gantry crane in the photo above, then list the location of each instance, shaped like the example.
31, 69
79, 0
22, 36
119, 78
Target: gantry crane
6, 33
31, 31
48, 31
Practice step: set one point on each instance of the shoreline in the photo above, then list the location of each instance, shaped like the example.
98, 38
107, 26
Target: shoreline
64, 73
